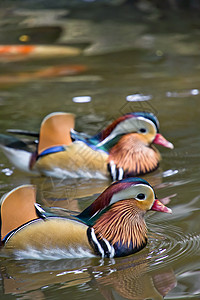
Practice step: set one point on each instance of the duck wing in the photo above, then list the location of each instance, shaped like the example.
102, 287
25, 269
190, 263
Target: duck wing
55, 130
17, 208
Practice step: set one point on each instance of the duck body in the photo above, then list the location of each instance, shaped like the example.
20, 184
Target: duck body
125, 148
75, 160
112, 226
52, 233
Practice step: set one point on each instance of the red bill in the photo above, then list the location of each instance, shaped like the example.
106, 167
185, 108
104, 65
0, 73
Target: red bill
158, 206
160, 140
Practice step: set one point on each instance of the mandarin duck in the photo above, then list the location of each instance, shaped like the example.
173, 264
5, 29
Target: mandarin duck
112, 226
124, 149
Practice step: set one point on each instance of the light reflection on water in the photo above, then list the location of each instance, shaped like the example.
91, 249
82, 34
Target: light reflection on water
156, 64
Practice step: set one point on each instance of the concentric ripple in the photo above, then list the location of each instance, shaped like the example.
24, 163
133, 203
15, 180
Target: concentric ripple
167, 248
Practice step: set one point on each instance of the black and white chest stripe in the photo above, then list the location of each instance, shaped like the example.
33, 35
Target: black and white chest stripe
101, 246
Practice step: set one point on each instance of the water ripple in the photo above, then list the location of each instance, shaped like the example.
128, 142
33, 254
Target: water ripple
173, 246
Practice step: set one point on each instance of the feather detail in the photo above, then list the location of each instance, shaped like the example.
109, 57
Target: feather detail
92, 212
52, 233
55, 130
78, 158
123, 226
106, 132
134, 155
17, 208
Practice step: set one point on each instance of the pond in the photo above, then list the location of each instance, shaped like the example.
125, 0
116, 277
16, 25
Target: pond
107, 51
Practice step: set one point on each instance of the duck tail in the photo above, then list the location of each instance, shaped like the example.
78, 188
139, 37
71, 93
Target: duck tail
17, 208
12, 142
21, 154
24, 132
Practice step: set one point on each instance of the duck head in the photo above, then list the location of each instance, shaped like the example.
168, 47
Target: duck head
116, 218
144, 124
129, 141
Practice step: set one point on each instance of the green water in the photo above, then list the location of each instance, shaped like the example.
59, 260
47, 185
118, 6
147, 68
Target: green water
123, 52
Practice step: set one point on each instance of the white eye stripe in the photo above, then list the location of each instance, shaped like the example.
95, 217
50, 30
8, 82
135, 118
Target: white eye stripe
132, 192
146, 121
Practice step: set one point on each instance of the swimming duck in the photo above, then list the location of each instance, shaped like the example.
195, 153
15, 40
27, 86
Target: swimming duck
123, 149
112, 226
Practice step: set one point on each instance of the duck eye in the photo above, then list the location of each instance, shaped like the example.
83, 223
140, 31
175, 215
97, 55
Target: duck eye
141, 196
142, 130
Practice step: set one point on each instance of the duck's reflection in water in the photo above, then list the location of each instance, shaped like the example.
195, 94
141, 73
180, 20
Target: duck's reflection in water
76, 194
123, 278
132, 279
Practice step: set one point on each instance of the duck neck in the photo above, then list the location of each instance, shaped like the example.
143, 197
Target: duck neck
119, 231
